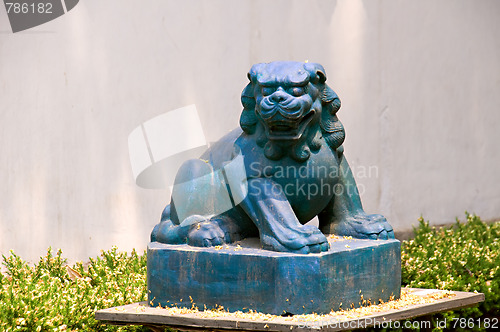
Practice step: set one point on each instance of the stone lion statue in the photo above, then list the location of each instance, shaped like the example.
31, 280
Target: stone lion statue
289, 165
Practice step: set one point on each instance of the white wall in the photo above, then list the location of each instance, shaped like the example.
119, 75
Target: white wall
419, 82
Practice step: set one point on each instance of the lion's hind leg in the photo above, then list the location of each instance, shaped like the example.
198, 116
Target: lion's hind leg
168, 231
191, 207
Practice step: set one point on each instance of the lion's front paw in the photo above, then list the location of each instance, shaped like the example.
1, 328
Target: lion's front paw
304, 240
205, 234
366, 226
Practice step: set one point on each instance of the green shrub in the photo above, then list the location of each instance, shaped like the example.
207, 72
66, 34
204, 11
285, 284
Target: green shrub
463, 257
51, 296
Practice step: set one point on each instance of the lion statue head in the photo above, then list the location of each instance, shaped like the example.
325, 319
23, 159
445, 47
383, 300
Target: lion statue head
289, 109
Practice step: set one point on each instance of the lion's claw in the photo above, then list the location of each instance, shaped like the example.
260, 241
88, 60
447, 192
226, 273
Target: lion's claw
325, 246
315, 248
366, 226
205, 234
308, 239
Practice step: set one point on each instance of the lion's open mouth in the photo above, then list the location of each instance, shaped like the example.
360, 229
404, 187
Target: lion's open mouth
288, 130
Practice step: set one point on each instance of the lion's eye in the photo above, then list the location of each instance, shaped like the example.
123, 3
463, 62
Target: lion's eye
297, 91
266, 91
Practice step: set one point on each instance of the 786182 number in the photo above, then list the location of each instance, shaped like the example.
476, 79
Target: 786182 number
472, 322
32, 8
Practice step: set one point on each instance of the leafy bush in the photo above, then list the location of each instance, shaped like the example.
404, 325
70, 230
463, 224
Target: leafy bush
52, 296
463, 257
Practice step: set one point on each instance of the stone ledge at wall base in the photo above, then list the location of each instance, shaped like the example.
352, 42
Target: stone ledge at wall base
352, 273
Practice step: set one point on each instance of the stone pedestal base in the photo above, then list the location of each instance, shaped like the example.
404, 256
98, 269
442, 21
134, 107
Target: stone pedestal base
244, 278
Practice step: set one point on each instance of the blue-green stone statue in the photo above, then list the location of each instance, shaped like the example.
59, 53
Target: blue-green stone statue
281, 169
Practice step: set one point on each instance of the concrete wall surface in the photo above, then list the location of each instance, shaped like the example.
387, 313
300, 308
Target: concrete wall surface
419, 83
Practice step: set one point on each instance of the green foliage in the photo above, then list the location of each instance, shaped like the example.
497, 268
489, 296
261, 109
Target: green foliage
463, 257
52, 296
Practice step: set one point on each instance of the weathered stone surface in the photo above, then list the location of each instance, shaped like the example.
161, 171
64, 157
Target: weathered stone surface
274, 282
